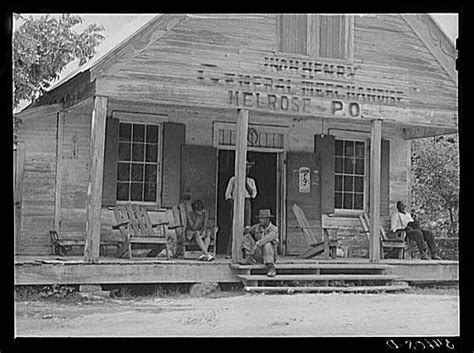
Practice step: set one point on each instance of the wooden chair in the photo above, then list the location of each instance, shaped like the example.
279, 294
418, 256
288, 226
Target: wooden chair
189, 247
316, 245
61, 246
135, 227
386, 243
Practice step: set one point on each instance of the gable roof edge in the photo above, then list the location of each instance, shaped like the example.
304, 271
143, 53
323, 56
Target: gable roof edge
418, 25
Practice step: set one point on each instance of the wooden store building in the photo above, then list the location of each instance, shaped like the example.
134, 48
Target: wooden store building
155, 121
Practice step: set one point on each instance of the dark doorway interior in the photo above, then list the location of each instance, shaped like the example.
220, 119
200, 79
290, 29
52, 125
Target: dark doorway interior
264, 173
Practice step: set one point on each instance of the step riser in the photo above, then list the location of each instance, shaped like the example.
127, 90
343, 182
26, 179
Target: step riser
291, 290
285, 271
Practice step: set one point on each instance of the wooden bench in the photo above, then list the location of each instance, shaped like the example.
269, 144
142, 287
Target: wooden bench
135, 226
386, 243
61, 246
317, 244
180, 224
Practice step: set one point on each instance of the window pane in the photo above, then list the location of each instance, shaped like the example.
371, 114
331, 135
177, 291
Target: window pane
359, 201
125, 131
339, 148
138, 152
124, 151
123, 172
138, 133
338, 183
152, 133
150, 173
150, 192
123, 190
348, 148
348, 183
359, 166
151, 153
359, 184
359, 149
137, 172
338, 200
136, 192
348, 166
348, 205
338, 167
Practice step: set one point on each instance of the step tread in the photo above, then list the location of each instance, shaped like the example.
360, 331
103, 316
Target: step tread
315, 277
314, 266
326, 289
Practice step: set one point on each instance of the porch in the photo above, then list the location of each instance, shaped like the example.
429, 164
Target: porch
72, 270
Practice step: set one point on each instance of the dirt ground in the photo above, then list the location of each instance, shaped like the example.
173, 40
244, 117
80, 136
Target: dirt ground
418, 312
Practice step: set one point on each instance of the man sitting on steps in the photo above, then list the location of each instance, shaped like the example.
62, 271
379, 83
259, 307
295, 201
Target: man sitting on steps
259, 244
402, 221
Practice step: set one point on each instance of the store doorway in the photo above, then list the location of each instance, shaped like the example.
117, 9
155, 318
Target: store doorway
264, 173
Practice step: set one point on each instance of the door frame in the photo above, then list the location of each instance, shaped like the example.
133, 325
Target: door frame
280, 216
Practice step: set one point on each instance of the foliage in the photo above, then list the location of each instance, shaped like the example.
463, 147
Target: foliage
435, 183
43, 46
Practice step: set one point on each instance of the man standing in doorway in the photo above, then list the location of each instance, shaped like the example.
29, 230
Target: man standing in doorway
250, 193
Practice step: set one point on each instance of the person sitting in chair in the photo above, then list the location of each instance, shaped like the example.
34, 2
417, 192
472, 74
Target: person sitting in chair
402, 221
259, 244
197, 229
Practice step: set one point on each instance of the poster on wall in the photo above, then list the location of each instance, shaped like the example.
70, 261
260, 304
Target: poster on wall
304, 180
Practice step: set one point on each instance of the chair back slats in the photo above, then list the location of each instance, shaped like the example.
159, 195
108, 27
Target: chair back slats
140, 223
310, 236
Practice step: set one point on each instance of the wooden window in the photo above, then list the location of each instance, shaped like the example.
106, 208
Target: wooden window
349, 174
137, 167
318, 36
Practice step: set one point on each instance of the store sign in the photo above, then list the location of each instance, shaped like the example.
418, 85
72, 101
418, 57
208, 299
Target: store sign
299, 86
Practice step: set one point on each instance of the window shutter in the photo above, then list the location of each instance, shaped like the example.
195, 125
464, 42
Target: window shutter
332, 36
325, 147
293, 33
110, 162
385, 179
174, 135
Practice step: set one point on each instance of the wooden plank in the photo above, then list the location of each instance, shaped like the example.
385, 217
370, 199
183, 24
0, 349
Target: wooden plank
318, 289
374, 189
59, 167
94, 191
338, 277
239, 187
322, 266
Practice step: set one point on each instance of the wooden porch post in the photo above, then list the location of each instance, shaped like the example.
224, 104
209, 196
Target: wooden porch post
375, 160
94, 191
239, 186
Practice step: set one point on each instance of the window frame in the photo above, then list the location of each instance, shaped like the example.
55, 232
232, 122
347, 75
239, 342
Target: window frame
312, 42
352, 212
145, 119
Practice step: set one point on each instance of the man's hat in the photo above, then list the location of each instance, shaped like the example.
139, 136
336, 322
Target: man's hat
264, 213
249, 164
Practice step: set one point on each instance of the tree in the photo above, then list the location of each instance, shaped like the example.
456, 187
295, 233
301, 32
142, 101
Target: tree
435, 182
43, 46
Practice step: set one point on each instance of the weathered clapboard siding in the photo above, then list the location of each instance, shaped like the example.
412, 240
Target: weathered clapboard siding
188, 65
38, 184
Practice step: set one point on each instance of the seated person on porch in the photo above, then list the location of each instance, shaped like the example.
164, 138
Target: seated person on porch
402, 221
197, 229
259, 244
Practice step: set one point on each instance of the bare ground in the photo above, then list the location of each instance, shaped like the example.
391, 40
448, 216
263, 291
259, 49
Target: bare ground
418, 312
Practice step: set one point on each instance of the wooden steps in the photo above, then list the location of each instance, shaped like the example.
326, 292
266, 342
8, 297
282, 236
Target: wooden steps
319, 278
300, 278
327, 289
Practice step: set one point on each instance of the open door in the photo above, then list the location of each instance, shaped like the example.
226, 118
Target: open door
303, 188
198, 175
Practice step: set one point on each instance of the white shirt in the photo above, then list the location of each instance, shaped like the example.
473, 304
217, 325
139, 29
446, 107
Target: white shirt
400, 220
229, 192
